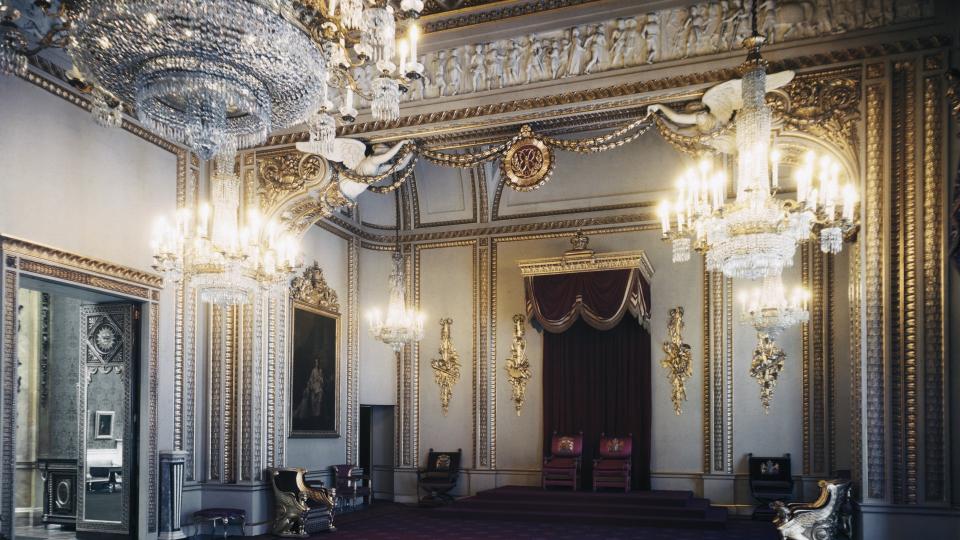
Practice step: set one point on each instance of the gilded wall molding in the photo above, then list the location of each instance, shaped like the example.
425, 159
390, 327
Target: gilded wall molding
805, 331
934, 292
707, 358
903, 284
8, 406
855, 296
873, 299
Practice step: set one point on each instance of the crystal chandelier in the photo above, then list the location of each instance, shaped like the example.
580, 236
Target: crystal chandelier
224, 74
227, 258
218, 76
403, 324
755, 235
769, 311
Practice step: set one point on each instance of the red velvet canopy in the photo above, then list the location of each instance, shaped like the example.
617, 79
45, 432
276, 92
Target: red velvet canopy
600, 298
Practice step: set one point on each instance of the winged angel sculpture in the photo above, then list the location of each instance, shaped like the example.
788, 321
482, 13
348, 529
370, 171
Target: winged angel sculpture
360, 158
719, 103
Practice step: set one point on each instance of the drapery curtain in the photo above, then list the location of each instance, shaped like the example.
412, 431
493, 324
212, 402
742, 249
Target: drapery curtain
601, 299
597, 382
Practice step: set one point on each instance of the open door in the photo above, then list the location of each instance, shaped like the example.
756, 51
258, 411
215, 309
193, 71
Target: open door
107, 417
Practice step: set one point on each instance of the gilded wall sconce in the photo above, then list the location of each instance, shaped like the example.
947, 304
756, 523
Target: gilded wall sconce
517, 366
446, 368
766, 367
679, 360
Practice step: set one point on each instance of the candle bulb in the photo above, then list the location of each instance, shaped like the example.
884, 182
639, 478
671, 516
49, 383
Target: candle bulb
665, 216
331, 7
402, 49
414, 36
775, 162
349, 99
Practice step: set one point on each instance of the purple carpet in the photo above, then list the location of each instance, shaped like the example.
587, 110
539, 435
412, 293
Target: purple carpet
670, 509
394, 521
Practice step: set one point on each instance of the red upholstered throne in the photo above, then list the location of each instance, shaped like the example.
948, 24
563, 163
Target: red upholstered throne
612, 468
562, 466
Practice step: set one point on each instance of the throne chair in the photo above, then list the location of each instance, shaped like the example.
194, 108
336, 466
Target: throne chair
770, 479
613, 467
562, 466
352, 484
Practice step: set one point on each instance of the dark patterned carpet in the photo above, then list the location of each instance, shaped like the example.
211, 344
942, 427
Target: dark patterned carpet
394, 521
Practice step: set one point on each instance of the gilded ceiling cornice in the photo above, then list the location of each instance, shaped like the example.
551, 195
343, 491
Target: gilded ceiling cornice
633, 89
437, 17
587, 261
646, 220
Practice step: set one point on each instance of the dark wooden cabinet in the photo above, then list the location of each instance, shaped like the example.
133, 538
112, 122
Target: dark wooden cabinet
60, 490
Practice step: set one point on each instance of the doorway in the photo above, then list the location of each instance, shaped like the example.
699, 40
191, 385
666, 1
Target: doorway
76, 396
376, 448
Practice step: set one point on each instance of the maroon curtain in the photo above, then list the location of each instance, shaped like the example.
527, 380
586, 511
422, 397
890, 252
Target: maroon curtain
599, 382
601, 298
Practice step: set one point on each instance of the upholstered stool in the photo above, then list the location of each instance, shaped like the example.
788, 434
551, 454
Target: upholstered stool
226, 516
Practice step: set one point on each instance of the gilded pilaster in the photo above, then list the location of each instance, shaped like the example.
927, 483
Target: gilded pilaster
934, 193
903, 285
353, 353
875, 122
706, 369
856, 373
805, 364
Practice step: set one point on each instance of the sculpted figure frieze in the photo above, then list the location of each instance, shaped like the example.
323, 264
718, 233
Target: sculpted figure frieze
708, 27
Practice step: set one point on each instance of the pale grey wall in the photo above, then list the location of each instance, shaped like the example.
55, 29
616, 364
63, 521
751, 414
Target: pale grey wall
76, 186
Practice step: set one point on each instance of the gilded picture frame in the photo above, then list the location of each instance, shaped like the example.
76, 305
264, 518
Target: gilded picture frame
313, 407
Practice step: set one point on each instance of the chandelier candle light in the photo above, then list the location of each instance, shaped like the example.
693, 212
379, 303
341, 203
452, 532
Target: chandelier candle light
403, 324
226, 259
755, 235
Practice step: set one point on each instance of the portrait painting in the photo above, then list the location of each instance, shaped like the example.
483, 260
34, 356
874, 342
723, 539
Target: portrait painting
104, 424
313, 390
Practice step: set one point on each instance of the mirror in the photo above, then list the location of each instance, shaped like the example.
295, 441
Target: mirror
107, 340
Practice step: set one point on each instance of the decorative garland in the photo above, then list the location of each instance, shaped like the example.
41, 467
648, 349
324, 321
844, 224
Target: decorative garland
526, 158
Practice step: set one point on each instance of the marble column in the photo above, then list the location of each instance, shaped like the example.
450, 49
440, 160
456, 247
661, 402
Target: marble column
171, 493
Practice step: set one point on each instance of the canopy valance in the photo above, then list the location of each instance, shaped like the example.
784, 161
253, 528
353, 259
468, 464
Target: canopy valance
598, 288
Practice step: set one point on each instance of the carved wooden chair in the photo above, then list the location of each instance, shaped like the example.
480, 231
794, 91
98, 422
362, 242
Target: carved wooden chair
770, 479
613, 467
352, 484
562, 466
300, 508
440, 476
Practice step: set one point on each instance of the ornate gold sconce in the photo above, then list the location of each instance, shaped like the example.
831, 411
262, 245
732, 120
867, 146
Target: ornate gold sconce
446, 368
679, 360
766, 367
517, 366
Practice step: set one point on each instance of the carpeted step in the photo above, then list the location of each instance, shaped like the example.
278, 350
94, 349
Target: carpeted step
696, 510
711, 522
656, 498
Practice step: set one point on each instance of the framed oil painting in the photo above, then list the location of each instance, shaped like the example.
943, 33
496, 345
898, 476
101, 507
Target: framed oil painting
103, 421
314, 397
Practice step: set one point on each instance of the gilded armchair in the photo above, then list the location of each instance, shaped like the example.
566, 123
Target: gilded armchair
827, 518
300, 509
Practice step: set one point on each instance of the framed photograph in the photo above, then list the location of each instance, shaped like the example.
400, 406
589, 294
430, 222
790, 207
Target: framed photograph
103, 424
313, 397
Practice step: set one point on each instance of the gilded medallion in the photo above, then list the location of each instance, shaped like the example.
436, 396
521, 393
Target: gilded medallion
528, 163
